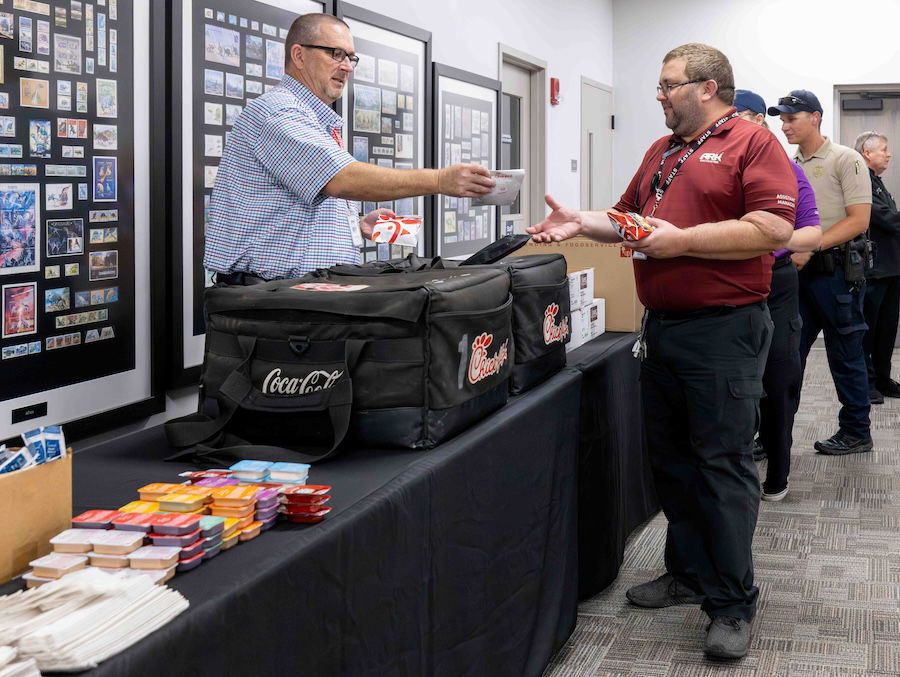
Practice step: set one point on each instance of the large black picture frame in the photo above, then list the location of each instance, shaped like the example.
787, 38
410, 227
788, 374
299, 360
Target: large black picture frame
184, 293
90, 403
454, 87
365, 26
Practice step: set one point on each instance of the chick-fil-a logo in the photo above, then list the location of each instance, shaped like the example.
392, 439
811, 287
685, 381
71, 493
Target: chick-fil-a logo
552, 331
480, 365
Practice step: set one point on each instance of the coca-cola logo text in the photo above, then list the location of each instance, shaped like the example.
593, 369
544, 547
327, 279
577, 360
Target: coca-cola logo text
552, 331
276, 384
480, 365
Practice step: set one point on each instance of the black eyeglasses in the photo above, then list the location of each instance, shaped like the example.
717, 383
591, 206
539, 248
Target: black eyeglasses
665, 90
337, 54
793, 101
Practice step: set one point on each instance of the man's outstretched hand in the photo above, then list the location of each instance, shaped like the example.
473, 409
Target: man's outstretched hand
561, 223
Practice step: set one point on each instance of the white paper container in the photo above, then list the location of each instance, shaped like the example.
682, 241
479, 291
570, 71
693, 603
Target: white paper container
75, 540
154, 557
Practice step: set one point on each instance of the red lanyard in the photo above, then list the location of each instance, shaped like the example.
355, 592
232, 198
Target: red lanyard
336, 135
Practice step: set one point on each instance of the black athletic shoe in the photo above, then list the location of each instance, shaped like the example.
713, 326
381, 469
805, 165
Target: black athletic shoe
841, 443
727, 637
759, 454
890, 389
875, 396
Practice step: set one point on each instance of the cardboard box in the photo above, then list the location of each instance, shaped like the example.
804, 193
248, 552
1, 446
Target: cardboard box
597, 316
581, 288
613, 277
576, 326
35, 504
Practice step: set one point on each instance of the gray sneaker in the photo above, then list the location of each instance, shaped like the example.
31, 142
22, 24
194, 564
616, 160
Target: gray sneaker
727, 637
664, 591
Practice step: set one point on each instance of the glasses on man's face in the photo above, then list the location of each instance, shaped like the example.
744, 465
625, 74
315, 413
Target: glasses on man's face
337, 54
665, 90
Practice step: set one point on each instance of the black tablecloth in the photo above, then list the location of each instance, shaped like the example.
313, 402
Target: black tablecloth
457, 561
615, 487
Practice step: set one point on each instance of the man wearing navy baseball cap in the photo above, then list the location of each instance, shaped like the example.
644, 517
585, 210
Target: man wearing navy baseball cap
832, 280
750, 106
783, 375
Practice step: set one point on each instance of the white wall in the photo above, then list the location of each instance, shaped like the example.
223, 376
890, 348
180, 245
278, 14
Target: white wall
572, 36
774, 46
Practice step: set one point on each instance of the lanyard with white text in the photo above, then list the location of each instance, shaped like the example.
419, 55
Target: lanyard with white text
660, 190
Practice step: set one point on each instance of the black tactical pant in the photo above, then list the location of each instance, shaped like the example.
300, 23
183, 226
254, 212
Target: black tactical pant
783, 376
701, 381
881, 308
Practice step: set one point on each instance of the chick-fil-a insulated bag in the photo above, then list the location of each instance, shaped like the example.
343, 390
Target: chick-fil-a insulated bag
383, 361
540, 309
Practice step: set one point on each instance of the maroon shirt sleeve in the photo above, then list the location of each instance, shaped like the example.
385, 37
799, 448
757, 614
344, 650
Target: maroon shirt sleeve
769, 181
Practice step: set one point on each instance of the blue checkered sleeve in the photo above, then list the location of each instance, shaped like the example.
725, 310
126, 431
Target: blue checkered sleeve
299, 154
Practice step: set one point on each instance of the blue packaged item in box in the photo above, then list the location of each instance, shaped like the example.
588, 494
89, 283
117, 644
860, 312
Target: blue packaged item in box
54, 442
288, 472
35, 443
251, 470
15, 461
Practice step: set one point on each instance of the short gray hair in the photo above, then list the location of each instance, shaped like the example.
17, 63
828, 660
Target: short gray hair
305, 30
868, 141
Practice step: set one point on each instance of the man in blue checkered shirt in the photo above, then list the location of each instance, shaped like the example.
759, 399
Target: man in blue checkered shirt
284, 199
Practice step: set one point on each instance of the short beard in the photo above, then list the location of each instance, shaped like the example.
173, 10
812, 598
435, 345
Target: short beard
686, 120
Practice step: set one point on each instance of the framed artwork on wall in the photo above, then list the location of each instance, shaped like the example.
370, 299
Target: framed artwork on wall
466, 109
385, 113
81, 244
225, 53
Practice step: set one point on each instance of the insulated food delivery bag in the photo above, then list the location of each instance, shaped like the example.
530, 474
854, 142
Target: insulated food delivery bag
299, 366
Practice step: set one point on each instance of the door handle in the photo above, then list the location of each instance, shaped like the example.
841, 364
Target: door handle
590, 171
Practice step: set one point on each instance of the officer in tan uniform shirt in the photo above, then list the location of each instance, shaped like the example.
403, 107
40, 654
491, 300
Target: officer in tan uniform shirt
832, 280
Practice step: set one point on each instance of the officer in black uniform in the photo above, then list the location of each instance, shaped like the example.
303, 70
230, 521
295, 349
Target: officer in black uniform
882, 300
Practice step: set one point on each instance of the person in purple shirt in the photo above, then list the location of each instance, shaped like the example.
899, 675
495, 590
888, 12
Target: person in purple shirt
783, 375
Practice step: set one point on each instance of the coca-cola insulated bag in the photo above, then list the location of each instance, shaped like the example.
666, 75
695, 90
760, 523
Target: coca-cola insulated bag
300, 366
541, 307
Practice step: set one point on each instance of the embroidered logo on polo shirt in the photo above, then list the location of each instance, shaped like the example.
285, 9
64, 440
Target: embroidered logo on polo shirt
714, 158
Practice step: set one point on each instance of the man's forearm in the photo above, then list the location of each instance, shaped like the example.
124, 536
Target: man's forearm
363, 181
845, 230
735, 239
805, 239
596, 226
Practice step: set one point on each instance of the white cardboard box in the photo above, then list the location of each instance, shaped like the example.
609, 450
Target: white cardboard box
576, 326
597, 317
581, 287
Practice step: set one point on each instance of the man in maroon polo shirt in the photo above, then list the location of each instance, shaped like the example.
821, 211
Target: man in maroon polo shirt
721, 194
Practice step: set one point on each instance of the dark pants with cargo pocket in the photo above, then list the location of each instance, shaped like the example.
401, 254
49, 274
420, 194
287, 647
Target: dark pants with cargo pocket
828, 303
701, 381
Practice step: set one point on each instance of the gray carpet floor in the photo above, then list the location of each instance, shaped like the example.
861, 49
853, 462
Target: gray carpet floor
827, 562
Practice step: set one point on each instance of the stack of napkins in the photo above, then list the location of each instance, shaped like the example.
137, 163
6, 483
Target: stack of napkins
81, 620
11, 666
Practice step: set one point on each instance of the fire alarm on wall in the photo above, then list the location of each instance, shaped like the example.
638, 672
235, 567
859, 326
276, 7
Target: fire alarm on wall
554, 91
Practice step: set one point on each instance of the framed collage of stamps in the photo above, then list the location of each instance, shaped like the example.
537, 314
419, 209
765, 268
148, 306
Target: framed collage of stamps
226, 53
384, 109
75, 127
466, 109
